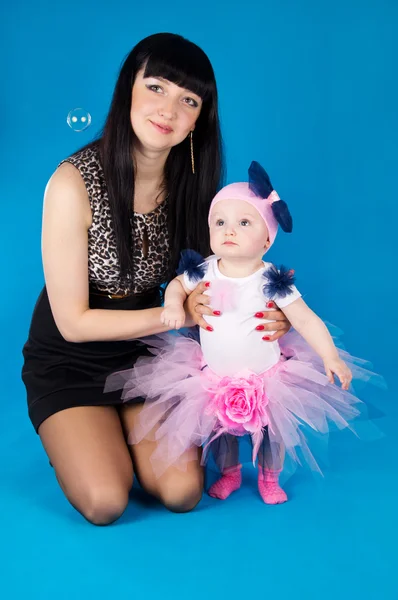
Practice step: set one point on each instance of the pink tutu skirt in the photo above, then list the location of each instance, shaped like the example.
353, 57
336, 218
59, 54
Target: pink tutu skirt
188, 405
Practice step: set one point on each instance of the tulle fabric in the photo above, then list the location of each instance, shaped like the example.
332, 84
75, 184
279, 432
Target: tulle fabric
176, 383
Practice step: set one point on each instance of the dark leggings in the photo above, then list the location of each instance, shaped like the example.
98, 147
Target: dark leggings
225, 450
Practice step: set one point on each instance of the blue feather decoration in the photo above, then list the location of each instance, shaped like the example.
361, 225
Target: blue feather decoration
282, 215
193, 264
259, 181
279, 282
260, 184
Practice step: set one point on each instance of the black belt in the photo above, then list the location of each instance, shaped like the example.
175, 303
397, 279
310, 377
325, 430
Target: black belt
105, 294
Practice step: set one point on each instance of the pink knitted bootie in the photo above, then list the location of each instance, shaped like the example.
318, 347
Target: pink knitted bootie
229, 482
269, 488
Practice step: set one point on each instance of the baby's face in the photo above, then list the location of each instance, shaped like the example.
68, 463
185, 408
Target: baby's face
237, 230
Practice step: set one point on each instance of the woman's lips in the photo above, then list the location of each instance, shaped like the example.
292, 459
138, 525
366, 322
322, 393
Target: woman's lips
229, 244
165, 129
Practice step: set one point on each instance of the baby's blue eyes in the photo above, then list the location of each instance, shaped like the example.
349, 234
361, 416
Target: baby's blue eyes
243, 222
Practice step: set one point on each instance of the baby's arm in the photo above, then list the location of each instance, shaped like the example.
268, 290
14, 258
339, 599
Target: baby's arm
315, 332
176, 293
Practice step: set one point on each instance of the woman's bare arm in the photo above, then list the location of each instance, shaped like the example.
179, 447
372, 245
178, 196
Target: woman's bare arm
66, 220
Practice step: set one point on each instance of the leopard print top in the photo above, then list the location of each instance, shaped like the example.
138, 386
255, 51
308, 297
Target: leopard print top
103, 264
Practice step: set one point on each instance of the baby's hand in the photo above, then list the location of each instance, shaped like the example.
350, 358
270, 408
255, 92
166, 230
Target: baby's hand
173, 316
336, 366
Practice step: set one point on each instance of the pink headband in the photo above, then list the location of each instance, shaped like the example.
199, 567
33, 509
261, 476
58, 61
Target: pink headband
242, 191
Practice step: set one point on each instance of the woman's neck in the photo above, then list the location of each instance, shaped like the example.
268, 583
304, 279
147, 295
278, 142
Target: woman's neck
238, 268
149, 178
149, 165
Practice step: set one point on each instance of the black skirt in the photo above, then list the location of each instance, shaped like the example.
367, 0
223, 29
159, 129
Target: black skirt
58, 374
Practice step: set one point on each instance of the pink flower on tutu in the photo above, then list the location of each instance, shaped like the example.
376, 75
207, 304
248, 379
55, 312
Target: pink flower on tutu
239, 404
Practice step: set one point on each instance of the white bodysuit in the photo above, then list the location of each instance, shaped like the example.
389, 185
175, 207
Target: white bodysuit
234, 345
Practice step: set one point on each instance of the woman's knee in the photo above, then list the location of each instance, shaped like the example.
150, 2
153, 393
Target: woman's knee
181, 496
101, 504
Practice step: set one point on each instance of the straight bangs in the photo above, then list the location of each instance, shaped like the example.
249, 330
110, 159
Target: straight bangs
185, 65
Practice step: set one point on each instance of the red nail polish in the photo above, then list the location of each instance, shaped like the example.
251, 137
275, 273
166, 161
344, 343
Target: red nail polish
270, 305
207, 284
217, 313
259, 315
209, 328
266, 338
260, 328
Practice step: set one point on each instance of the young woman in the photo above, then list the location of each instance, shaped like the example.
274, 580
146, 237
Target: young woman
116, 216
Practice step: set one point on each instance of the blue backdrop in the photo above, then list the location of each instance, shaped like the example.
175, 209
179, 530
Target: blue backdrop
307, 88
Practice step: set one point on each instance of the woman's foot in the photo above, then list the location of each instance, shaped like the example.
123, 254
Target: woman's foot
229, 482
269, 488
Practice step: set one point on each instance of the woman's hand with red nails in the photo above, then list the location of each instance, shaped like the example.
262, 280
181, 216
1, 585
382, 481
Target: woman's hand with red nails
197, 306
280, 324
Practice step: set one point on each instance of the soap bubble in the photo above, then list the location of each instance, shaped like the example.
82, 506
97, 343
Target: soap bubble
78, 119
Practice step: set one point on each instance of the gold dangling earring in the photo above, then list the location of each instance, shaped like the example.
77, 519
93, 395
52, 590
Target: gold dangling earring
192, 158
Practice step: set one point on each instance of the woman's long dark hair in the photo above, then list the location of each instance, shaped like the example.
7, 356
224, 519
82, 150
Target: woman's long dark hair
180, 61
